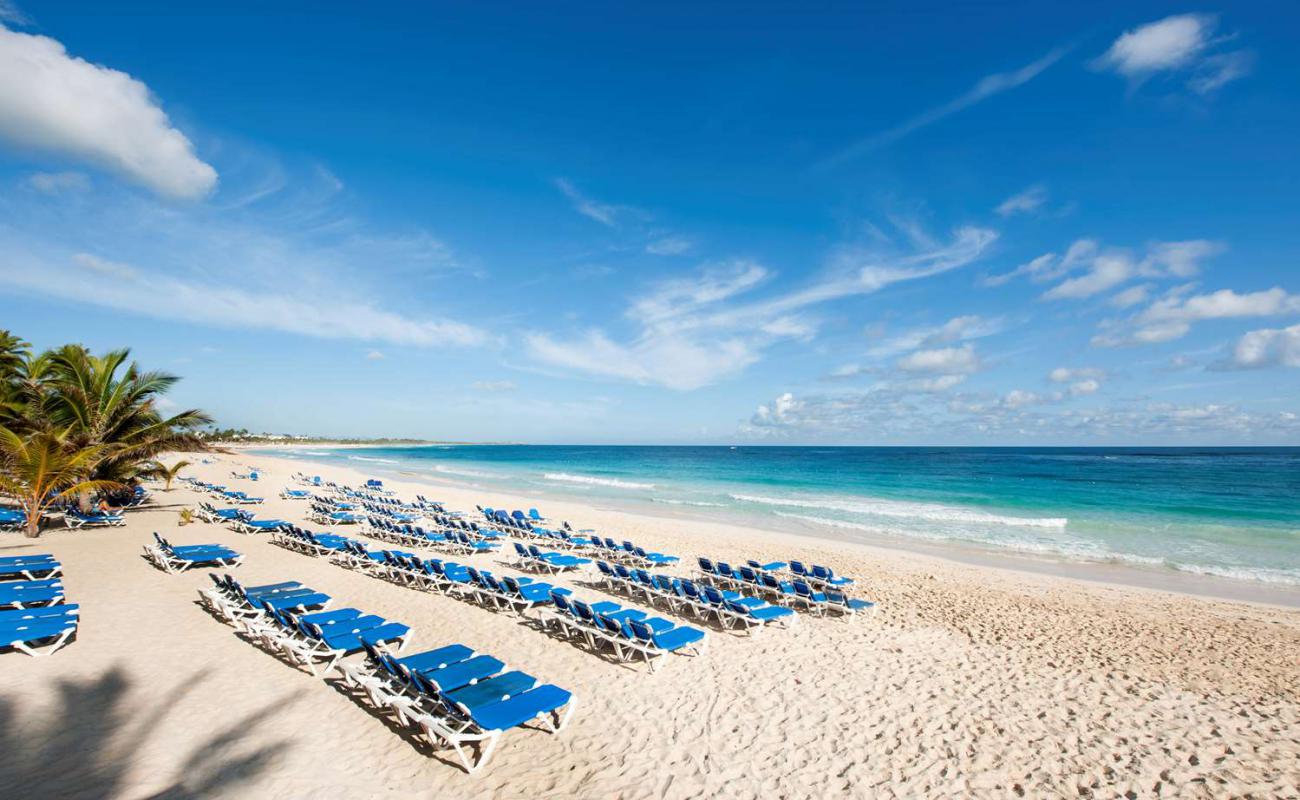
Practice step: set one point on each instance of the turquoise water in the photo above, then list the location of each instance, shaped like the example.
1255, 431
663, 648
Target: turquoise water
1226, 512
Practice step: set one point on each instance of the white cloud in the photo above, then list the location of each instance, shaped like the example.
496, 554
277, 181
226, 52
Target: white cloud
1067, 374
494, 386
1047, 267
1026, 202
1173, 316
1222, 304
1170, 43
957, 329
1112, 267
697, 330
946, 360
1178, 43
674, 361
1267, 347
1178, 259
1219, 70
681, 298
52, 101
669, 246
935, 385
1018, 398
1132, 296
96, 281
58, 182
889, 415
374, 355
1107, 270
984, 88
1084, 387
603, 213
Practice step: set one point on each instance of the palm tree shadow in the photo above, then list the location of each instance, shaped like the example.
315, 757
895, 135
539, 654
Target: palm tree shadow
86, 745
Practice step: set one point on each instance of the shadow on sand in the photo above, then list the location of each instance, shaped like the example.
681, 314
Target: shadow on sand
84, 746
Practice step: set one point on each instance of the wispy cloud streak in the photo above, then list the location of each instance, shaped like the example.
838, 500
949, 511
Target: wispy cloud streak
986, 87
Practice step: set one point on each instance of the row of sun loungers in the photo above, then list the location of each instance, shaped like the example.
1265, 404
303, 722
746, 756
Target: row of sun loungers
178, 558
12, 519
334, 513
533, 557
501, 515
453, 695
459, 698
515, 594
628, 632
34, 619
730, 609
295, 621
238, 519
818, 590
462, 540
216, 490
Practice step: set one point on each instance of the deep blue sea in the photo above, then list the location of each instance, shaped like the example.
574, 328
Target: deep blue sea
1226, 512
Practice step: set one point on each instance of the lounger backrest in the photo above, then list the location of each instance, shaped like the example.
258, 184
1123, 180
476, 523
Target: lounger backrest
706, 565
798, 568
802, 589
561, 602
713, 595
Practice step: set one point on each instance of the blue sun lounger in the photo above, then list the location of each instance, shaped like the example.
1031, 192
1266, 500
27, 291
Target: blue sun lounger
462, 723
27, 594
178, 559
30, 567
38, 631
75, 519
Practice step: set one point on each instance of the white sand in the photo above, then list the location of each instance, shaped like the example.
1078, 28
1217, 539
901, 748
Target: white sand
970, 681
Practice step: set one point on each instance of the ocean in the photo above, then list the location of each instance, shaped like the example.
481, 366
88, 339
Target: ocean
1231, 513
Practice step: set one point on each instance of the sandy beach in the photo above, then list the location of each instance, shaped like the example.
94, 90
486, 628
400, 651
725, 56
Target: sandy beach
968, 681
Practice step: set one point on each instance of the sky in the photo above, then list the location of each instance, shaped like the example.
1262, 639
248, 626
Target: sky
895, 223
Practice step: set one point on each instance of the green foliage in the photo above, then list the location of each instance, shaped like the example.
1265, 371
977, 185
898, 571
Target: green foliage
96, 418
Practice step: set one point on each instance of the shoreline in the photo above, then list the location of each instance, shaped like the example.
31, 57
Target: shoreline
1111, 574
965, 682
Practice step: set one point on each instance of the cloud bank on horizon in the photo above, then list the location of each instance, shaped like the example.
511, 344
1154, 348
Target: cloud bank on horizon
1027, 260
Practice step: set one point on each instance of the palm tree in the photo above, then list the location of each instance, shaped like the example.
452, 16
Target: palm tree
14, 354
103, 400
42, 469
157, 469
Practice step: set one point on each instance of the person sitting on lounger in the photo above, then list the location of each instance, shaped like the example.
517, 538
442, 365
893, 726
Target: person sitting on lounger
102, 507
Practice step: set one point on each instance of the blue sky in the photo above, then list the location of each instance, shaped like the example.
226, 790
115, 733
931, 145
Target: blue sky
909, 224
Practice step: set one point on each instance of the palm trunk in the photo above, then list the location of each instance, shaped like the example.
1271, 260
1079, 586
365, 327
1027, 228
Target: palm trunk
33, 522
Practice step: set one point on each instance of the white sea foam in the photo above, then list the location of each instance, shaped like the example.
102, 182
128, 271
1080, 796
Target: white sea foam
316, 453
699, 503
1076, 550
1060, 548
566, 477
468, 473
375, 460
903, 510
